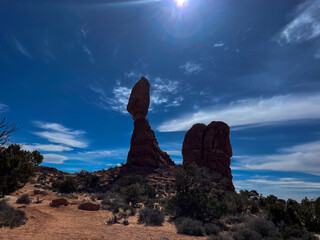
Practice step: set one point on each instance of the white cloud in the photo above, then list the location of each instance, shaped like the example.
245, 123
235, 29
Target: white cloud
300, 158
54, 158
89, 53
305, 26
218, 45
57, 133
162, 92
46, 147
250, 112
3, 108
190, 68
21, 48
294, 188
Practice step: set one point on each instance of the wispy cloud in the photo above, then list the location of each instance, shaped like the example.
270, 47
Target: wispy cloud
46, 147
57, 133
89, 53
249, 112
3, 108
305, 26
22, 49
300, 158
219, 44
163, 92
294, 188
190, 68
54, 158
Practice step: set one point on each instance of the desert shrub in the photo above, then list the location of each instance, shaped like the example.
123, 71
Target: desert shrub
149, 216
10, 217
264, 227
125, 207
254, 208
211, 229
277, 213
220, 237
292, 232
67, 186
16, 168
24, 199
246, 234
191, 227
234, 219
132, 193
150, 192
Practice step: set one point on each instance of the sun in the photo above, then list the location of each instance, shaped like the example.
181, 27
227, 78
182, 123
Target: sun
181, 3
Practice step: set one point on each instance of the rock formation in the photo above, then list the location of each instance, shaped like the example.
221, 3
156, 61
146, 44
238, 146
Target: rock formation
59, 202
144, 148
209, 146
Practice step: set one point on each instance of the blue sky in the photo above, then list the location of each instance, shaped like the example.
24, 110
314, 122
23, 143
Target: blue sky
67, 68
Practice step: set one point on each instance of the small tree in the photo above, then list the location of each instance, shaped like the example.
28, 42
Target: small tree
16, 168
6, 129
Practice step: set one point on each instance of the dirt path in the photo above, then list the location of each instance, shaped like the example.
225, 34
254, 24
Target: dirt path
68, 222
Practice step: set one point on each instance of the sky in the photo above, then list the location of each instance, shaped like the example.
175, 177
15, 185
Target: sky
67, 69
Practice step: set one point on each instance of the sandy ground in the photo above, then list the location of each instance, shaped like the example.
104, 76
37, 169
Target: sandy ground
68, 222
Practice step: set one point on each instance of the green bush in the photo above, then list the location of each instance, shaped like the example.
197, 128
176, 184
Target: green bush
264, 227
67, 186
24, 199
191, 227
132, 193
211, 229
16, 168
10, 217
151, 217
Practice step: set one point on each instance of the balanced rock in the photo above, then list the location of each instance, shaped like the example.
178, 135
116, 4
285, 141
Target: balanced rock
209, 147
139, 99
144, 148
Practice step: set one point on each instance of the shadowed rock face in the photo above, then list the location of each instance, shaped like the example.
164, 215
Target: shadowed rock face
209, 146
144, 148
139, 101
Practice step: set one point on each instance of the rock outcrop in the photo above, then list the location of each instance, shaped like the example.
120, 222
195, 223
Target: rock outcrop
209, 147
144, 148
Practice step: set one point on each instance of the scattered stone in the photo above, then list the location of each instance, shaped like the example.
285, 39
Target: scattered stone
88, 206
59, 202
125, 222
209, 146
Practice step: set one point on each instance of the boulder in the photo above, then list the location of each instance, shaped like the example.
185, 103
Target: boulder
209, 147
59, 202
88, 206
139, 100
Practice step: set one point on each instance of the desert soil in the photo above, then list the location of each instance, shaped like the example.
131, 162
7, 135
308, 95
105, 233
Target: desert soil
68, 222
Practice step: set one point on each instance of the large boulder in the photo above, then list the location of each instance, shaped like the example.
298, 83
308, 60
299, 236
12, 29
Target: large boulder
59, 202
139, 100
88, 206
209, 147
144, 148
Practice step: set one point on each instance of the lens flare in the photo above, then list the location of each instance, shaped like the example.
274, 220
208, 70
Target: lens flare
181, 3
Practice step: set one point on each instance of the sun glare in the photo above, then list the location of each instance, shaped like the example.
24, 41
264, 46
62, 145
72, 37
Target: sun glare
180, 3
